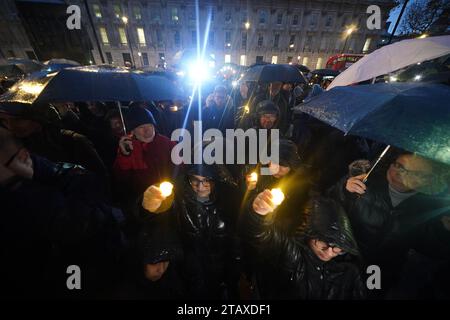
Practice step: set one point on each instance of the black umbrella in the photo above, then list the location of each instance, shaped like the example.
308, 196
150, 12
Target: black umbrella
92, 83
326, 72
411, 116
274, 73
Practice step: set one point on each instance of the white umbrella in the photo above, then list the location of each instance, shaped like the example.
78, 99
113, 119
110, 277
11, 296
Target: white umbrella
393, 57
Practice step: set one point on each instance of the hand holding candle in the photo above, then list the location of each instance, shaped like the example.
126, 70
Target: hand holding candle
267, 201
252, 179
166, 188
154, 196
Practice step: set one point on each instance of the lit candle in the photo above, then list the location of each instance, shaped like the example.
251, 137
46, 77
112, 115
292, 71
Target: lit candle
166, 188
277, 196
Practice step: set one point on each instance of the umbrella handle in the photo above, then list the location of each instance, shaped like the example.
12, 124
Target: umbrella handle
121, 117
376, 163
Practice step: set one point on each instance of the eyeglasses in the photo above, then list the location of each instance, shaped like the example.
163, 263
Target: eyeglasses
11, 159
414, 174
196, 182
333, 247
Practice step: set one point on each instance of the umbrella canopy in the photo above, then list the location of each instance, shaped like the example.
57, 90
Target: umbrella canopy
58, 64
11, 71
274, 73
27, 65
326, 72
393, 57
302, 68
411, 116
91, 83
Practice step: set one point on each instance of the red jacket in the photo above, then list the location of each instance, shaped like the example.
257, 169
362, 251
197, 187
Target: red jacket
148, 163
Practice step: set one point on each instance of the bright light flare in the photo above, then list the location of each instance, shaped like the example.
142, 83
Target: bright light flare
198, 71
234, 83
31, 88
166, 188
253, 177
417, 77
277, 196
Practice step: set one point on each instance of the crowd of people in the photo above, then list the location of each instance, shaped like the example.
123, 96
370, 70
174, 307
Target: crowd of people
80, 184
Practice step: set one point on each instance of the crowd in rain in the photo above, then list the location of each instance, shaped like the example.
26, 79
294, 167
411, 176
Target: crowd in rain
81, 183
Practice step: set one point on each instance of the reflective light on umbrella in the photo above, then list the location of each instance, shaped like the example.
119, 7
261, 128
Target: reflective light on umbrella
32, 88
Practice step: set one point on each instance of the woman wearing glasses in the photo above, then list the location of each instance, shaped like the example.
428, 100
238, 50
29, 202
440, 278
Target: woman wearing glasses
313, 262
202, 218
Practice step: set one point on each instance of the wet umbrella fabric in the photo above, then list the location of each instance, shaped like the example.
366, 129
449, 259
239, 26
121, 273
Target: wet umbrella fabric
411, 116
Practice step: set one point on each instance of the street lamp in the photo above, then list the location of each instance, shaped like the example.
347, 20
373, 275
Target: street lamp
125, 22
348, 33
247, 25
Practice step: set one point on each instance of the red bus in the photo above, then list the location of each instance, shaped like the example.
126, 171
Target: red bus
342, 61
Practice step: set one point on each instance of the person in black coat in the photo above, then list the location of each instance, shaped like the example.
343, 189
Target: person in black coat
308, 263
400, 208
204, 222
54, 216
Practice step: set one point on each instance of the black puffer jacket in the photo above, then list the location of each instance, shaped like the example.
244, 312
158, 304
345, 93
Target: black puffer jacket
288, 269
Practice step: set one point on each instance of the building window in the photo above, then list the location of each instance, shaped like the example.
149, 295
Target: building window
191, 14
305, 61
126, 58
313, 20
329, 21
97, 11
323, 43
156, 15
279, 18
243, 60
262, 16
319, 63
117, 11
228, 39
244, 16
162, 56
244, 41
213, 13
259, 59
295, 20
211, 38
276, 40
137, 13
159, 38
289, 60
228, 17
260, 40
145, 58
177, 38
228, 58
104, 35
274, 59
292, 42
308, 42
194, 37
366, 45
123, 36
174, 14
141, 36
109, 57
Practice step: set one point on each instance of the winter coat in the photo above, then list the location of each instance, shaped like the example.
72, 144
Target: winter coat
385, 233
56, 220
148, 163
287, 268
207, 237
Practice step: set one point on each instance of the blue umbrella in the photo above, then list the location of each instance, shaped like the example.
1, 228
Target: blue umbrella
411, 116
